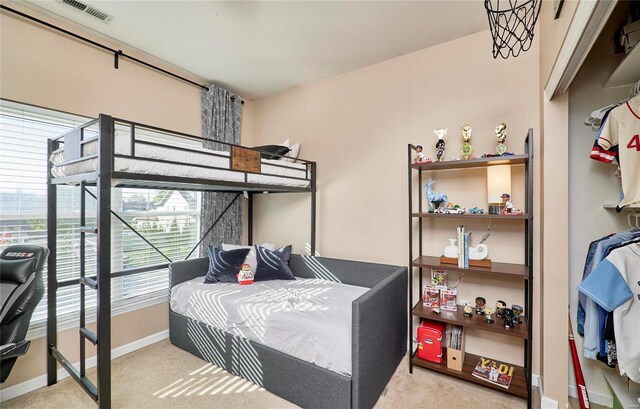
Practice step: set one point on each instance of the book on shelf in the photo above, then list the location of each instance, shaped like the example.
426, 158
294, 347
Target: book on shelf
494, 372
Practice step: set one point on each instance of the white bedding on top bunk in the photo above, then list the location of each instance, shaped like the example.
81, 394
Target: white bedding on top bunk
309, 319
140, 165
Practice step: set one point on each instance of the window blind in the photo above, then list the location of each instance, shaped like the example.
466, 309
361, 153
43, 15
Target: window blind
168, 219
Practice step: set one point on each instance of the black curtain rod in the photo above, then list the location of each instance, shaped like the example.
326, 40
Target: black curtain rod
116, 53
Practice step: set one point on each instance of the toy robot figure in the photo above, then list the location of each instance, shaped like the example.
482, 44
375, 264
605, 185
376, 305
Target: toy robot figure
517, 311
499, 306
440, 145
480, 303
510, 319
468, 311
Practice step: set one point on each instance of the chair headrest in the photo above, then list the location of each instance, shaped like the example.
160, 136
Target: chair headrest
26, 251
16, 271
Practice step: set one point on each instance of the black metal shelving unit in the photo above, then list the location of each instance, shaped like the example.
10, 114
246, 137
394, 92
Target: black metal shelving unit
102, 130
521, 383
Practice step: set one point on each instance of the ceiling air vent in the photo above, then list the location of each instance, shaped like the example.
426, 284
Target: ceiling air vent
87, 9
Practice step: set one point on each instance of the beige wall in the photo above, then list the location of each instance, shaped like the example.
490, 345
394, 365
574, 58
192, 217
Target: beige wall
357, 126
41, 67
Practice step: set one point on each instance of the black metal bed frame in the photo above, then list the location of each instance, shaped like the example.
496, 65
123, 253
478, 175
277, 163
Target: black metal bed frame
102, 179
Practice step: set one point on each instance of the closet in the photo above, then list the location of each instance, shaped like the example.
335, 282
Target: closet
604, 215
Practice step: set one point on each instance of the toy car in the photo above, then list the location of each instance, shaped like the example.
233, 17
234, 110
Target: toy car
476, 210
454, 209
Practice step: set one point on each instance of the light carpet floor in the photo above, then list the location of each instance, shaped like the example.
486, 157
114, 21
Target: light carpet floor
164, 376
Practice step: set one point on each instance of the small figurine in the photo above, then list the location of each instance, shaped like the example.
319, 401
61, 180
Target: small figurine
440, 145
507, 206
245, 276
510, 320
517, 311
466, 149
501, 134
468, 311
420, 158
480, 303
435, 199
500, 305
487, 315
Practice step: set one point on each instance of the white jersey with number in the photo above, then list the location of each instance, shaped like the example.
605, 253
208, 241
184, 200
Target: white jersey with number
622, 128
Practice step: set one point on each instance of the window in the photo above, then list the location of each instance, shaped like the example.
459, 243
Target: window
168, 219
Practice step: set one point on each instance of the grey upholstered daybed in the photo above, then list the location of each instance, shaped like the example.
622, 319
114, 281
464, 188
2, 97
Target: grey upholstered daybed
378, 337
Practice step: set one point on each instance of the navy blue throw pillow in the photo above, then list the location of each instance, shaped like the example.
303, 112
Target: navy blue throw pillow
273, 265
224, 265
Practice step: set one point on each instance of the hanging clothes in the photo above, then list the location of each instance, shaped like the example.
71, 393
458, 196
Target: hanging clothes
614, 285
594, 316
619, 138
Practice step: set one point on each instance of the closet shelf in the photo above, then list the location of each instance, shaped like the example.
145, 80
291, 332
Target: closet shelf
474, 163
519, 271
608, 206
628, 72
470, 216
518, 385
476, 321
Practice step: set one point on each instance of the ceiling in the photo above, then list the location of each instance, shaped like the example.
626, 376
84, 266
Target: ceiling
262, 48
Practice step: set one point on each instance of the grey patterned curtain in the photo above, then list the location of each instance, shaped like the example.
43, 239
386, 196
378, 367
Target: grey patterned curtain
221, 114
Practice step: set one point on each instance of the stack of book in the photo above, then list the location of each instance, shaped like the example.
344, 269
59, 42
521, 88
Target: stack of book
464, 239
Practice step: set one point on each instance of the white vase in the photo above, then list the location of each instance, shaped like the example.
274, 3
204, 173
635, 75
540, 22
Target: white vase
451, 251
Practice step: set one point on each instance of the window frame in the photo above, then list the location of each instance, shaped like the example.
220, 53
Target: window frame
121, 304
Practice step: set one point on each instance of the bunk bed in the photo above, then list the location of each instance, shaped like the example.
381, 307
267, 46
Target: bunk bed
109, 153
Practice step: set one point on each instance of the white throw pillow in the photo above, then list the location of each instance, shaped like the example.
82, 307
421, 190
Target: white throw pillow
251, 257
293, 153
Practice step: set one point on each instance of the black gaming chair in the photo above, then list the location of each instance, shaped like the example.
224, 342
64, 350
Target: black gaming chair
21, 289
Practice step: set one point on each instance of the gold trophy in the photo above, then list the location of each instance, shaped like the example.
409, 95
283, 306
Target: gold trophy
466, 149
501, 134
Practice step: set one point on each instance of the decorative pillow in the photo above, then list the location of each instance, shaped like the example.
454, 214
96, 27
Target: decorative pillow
251, 257
224, 265
293, 154
271, 151
273, 265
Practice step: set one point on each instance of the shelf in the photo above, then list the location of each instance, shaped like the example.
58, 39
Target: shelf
628, 72
518, 385
473, 163
476, 321
470, 216
613, 206
497, 269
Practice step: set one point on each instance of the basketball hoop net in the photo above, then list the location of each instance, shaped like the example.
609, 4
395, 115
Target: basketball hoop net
512, 23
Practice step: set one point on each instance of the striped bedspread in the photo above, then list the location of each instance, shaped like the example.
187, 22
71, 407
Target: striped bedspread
309, 319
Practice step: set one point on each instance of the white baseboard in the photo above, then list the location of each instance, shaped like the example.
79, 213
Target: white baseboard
40, 381
594, 397
548, 403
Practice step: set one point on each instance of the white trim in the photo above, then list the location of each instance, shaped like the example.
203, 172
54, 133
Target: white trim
41, 381
594, 397
586, 26
548, 403
536, 381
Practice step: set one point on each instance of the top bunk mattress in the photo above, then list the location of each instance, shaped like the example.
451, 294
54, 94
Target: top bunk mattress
309, 319
273, 172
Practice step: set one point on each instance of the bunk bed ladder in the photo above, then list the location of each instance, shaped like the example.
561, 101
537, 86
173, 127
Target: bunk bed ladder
101, 283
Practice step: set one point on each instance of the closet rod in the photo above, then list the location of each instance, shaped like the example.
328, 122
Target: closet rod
116, 53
